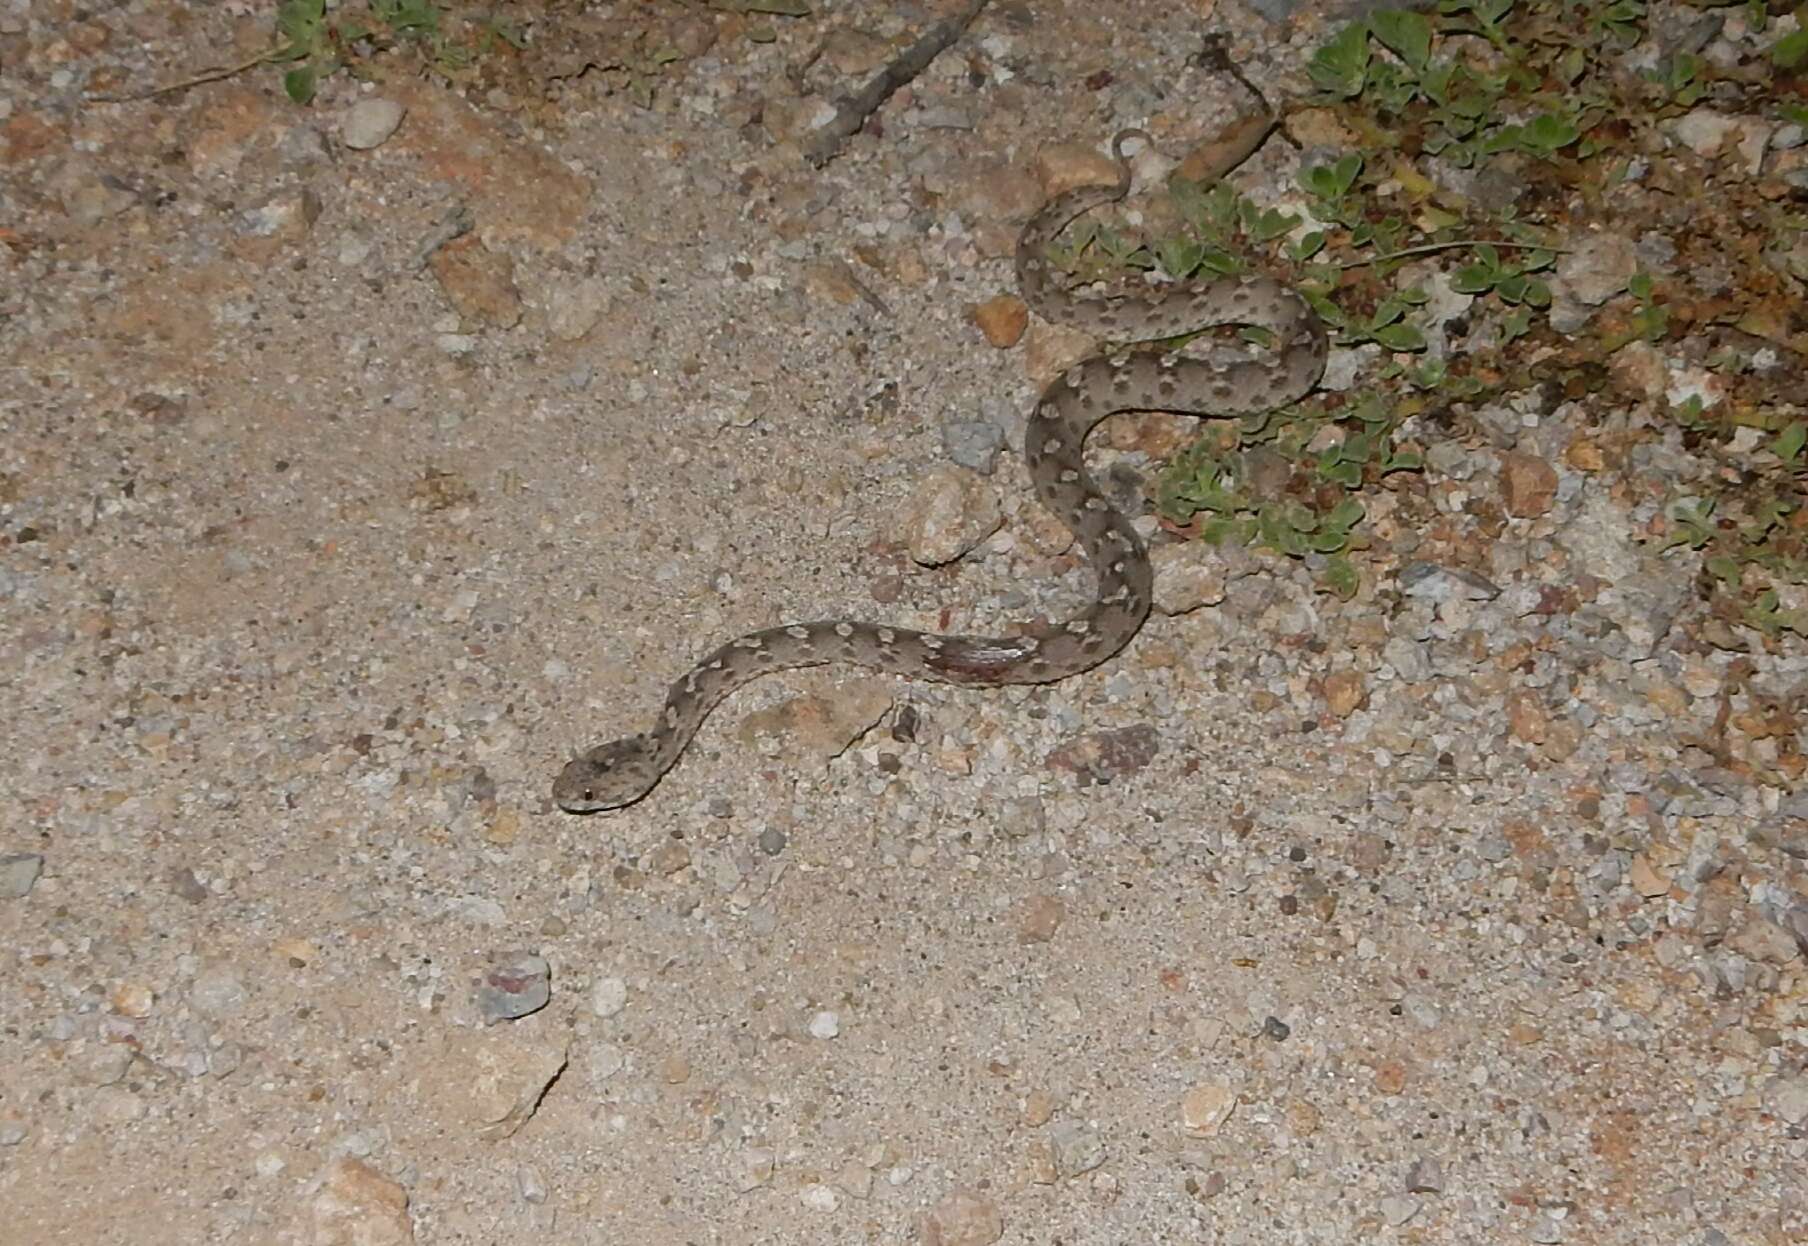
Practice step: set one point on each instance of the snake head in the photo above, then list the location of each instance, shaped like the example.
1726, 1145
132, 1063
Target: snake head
607, 777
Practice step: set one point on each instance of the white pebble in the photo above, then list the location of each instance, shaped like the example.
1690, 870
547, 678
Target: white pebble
369, 122
608, 997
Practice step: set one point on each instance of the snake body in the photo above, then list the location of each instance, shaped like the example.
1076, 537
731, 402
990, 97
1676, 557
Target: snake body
622, 771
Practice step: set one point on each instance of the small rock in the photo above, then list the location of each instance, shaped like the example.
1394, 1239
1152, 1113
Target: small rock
606, 1060
1003, 320
822, 726
102, 1066
1038, 1108
1038, 917
963, 1218
1075, 1147
1545, 1230
1645, 878
1709, 133
1795, 921
1021, 817
753, 1168
302, 145
949, 513
1188, 575
854, 53
1528, 485
1345, 692
530, 1184
1397, 1209
1062, 167
185, 886
825, 1025
1426, 1176
492, 1082
818, 1196
1424, 1013
1597, 268
131, 999
608, 996
1410, 659
573, 310
1526, 715
1429, 581
286, 216
478, 282
856, 1179
116, 1106
1763, 940
1787, 1098
1205, 1108
359, 1206
19, 873
772, 841
795, 119
669, 858
369, 123
91, 201
973, 444
517, 984
1101, 757
218, 992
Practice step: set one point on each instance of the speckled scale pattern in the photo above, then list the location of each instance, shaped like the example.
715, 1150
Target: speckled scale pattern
622, 771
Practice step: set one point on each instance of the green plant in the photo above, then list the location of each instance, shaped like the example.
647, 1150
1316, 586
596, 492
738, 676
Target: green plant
317, 41
1511, 282
1540, 95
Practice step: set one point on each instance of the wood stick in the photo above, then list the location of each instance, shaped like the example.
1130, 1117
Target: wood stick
852, 111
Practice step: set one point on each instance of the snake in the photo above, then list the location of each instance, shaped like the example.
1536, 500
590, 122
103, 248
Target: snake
1146, 377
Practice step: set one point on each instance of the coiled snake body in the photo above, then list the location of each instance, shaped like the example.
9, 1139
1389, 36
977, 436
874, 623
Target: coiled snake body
620, 772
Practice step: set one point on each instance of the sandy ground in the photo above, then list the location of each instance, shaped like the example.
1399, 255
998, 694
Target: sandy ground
328, 531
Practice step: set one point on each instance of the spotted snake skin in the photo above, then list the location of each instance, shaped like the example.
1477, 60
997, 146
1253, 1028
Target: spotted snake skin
620, 772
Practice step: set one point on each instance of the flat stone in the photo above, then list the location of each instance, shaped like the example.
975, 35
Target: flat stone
370, 122
963, 1218
19, 872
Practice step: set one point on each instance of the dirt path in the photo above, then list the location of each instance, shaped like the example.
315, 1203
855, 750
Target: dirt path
346, 490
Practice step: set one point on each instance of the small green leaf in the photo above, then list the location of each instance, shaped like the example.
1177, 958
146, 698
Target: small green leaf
1473, 279
1340, 578
1788, 443
1548, 132
299, 21
1726, 570
1340, 66
1218, 531
1179, 257
299, 84
1790, 50
1347, 474
1307, 247
1402, 337
1405, 33
1345, 515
